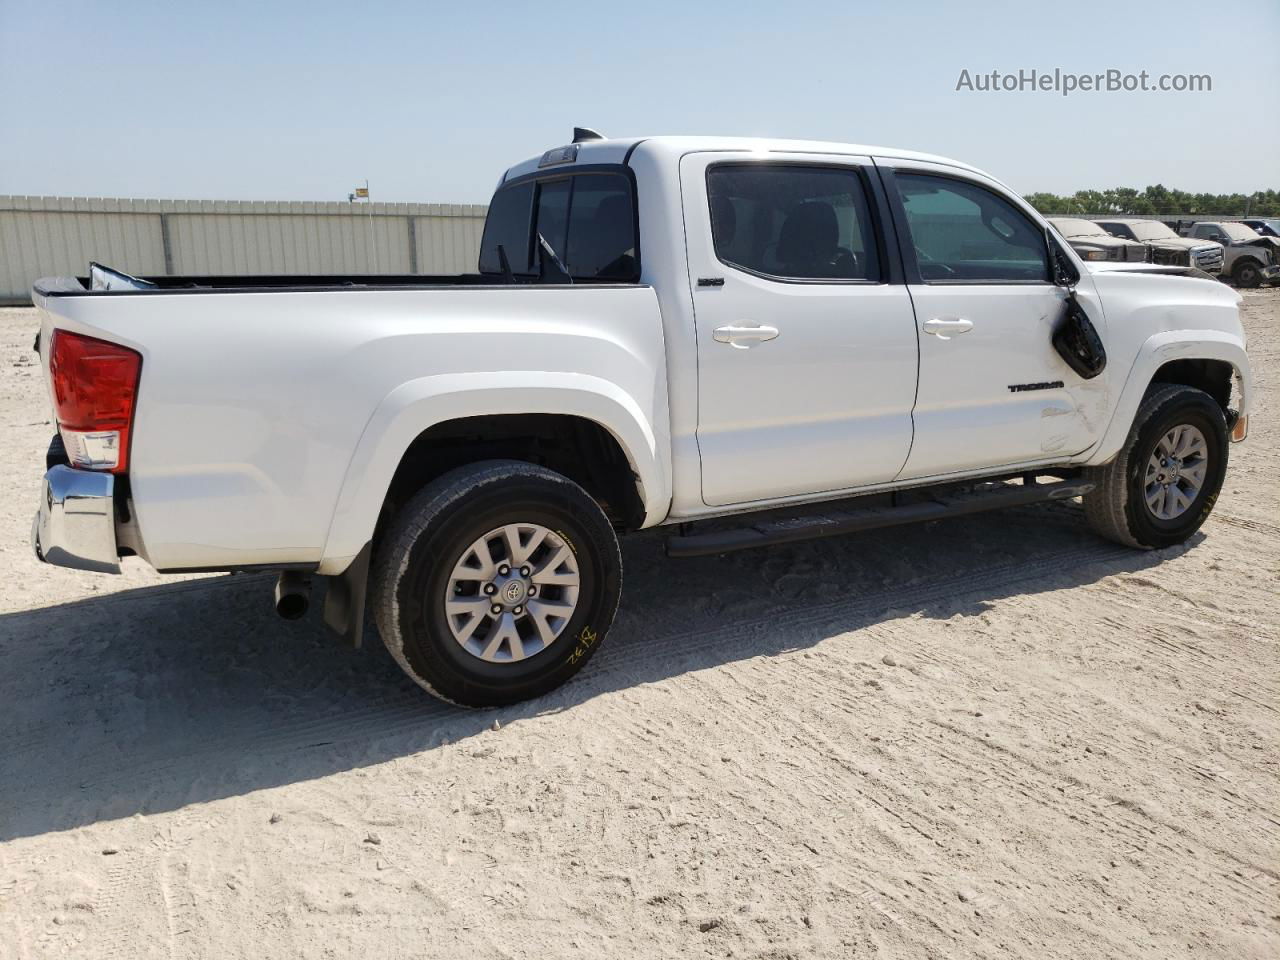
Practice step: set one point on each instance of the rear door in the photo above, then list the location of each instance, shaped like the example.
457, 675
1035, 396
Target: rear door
805, 335
993, 391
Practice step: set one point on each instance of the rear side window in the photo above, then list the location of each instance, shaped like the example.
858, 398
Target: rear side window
963, 232
792, 221
588, 219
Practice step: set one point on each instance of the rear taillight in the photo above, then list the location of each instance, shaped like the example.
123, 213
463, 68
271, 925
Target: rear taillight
95, 385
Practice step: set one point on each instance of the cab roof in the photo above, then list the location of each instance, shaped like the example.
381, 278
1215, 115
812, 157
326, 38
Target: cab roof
672, 148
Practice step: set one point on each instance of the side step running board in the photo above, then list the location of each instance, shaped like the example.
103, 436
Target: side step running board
837, 522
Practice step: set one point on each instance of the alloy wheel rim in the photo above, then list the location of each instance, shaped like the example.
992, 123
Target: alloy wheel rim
1176, 472
512, 592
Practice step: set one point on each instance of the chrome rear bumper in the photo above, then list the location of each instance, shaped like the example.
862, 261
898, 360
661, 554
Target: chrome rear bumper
75, 525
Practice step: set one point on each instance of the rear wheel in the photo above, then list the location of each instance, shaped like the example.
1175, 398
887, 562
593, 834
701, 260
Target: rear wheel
496, 583
1163, 484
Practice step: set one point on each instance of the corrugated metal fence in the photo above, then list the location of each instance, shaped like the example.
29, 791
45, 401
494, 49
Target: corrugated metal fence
58, 236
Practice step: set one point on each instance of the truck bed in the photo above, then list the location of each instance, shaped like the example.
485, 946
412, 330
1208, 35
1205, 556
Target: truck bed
267, 413
284, 283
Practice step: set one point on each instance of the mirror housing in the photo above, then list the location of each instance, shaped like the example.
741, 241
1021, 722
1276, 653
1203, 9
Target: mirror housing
1062, 270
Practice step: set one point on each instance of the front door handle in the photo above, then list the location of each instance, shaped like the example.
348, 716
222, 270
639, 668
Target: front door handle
944, 328
741, 337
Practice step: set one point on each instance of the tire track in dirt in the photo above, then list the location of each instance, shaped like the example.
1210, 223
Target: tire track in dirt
1247, 523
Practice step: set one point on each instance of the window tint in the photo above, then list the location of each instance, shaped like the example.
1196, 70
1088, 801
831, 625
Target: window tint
805, 223
508, 224
588, 219
602, 229
963, 232
552, 221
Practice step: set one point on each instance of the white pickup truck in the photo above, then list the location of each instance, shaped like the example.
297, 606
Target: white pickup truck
816, 338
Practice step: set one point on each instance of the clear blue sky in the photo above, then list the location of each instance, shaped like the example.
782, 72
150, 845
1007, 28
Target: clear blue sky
430, 101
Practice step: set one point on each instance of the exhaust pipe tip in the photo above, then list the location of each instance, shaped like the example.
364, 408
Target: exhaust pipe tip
293, 595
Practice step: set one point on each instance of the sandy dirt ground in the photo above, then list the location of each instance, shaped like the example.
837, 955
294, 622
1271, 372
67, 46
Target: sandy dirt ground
996, 736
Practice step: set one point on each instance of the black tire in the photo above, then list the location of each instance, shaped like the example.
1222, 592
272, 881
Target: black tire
1117, 508
414, 562
1248, 273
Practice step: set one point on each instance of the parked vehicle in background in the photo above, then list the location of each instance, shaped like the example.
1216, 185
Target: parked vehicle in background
1093, 242
661, 331
1251, 258
1267, 226
1167, 248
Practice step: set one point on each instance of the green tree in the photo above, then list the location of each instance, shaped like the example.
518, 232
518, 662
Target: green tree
1157, 200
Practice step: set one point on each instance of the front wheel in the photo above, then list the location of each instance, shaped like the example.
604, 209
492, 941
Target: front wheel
1248, 274
496, 583
1164, 482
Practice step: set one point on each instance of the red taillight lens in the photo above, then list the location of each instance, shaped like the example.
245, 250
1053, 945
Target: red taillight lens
95, 384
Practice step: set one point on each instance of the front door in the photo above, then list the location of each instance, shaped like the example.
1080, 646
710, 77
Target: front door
806, 351
993, 391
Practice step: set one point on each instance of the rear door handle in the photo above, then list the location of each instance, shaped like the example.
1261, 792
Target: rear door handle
742, 336
944, 328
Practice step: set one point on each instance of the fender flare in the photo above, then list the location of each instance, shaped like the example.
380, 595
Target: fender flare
415, 406
1155, 352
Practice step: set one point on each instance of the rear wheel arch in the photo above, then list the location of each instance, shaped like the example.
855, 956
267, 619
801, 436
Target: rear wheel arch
576, 447
632, 434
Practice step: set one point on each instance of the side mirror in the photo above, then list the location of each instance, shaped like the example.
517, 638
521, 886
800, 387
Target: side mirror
1061, 269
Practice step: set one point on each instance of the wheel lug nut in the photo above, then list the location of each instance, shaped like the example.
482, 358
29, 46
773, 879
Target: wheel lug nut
495, 609
526, 570
490, 589
504, 570
533, 591
517, 610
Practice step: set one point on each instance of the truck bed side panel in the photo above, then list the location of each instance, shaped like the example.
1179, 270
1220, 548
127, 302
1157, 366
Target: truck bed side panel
252, 406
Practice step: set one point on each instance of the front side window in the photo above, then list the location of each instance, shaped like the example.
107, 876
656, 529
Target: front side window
793, 222
588, 219
965, 233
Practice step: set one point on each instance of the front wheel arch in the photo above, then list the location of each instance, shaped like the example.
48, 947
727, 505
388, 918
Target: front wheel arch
1163, 358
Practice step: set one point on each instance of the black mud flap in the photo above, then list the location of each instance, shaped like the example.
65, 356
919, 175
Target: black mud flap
1077, 341
344, 599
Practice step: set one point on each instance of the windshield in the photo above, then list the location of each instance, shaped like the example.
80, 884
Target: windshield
1152, 230
1238, 231
1079, 228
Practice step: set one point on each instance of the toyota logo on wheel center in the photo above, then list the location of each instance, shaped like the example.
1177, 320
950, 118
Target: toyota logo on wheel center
513, 592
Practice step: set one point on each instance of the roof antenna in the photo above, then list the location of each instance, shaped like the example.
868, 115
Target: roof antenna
583, 134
